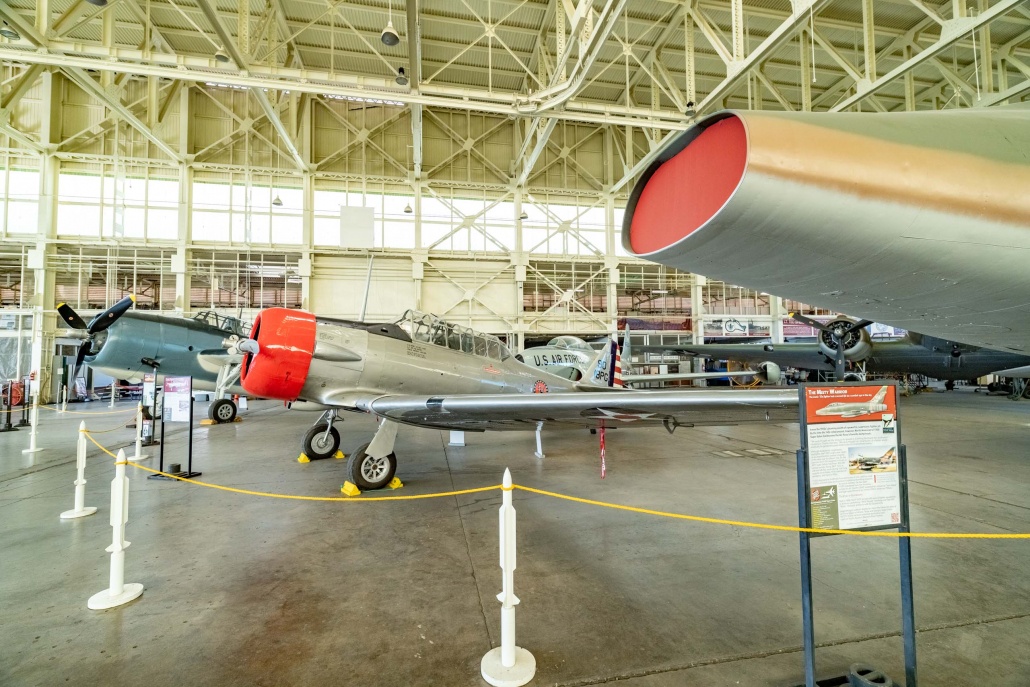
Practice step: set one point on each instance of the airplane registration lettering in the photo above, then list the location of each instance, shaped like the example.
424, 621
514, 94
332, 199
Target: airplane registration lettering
416, 351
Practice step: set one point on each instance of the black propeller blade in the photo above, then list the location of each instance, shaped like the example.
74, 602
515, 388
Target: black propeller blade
96, 325
84, 349
861, 324
815, 324
110, 316
70, 317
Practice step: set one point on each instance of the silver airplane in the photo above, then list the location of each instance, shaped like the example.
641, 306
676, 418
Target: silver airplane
423, 371
874, 405
920, 220
126, 344
571, 357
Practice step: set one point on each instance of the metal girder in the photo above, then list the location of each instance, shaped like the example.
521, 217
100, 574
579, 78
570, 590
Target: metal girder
5, 127
951, 31
25, 28
25, 82
803, 9
202, 70
415, 80
86, 83
259, 94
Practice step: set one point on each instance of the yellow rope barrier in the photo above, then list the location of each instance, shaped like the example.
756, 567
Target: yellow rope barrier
577, 499
79, 412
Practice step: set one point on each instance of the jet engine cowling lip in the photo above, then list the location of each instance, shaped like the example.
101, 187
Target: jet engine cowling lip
674, 148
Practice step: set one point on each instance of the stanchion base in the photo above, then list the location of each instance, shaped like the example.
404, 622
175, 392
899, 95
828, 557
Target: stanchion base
142, 456
539, 455
32, 450
24, 423
9, 429
69, 514
102, 600
183, 475
519, 674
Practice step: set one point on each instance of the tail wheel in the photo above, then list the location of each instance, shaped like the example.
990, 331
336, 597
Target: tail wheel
319, 444
222, 410
368, 472
747, 380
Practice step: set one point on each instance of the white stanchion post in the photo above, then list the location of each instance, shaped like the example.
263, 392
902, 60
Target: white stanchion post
64, 398
539, 442
508, 665
139, 433
34, 421
111, 405
81, 509
118, 593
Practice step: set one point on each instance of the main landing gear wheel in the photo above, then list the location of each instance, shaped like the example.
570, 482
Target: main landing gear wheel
317, 445
370, 473
222, 410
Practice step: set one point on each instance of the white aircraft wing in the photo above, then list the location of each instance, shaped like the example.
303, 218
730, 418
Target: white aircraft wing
669, 408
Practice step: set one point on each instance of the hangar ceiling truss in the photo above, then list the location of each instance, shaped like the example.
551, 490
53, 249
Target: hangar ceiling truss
627, 72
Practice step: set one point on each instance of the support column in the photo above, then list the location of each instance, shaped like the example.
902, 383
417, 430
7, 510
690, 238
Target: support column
776, 325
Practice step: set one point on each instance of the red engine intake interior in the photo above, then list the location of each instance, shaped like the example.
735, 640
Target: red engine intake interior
687, 190
286, 340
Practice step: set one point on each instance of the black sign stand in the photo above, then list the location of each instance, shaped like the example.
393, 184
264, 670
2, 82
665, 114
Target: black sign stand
908, 625
189, 473
8, 398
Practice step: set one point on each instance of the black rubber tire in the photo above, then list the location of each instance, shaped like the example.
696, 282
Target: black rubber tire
949, 385
865, 676
368, 473
222, 410
313, 445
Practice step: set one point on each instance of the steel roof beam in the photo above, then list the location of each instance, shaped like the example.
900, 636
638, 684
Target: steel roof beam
259, 94
951, 31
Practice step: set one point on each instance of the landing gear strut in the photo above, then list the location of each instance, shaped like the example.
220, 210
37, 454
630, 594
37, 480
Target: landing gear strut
222, 410
322, 440
373, 465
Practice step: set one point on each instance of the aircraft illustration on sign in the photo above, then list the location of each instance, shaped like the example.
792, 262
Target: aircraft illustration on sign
423, 371
919, 220
126, 344
850, 409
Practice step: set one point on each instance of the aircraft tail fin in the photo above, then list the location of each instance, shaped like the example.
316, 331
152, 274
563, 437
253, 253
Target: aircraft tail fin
880, 395
606, 370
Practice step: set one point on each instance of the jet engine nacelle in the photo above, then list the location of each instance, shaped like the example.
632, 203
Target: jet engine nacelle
857, 345
768, 373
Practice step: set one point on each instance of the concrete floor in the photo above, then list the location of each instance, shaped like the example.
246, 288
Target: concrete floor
242, 590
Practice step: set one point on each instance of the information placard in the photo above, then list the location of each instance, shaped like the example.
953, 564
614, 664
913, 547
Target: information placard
850, 434
149, 389
177, 399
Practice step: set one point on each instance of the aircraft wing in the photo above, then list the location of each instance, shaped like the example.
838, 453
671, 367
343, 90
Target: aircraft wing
806, 356
213, 359
612, 409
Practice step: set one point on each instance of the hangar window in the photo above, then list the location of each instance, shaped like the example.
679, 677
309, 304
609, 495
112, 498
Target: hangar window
120, 203
20, 204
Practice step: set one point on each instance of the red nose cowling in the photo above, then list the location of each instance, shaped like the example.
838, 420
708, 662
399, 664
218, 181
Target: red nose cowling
286, 342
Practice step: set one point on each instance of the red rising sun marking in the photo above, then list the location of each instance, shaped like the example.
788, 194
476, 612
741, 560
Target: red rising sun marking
540, 387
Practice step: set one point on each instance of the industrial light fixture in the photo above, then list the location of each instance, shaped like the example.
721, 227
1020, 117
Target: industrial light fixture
7, 32
659, 292
98, 3
277, 201
402, 78
523, 215
220, 54
407, 209
389, 35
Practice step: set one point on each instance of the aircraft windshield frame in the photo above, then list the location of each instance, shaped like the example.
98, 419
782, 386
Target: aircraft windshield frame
428, 328
572, 343
232, 325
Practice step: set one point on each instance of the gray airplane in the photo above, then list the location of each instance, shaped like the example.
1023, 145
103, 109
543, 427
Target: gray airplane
423, 371
920, 220
912, 354
126, 344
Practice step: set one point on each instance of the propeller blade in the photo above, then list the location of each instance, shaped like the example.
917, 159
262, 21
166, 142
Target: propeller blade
84, 348
70, 317
861, 324
815, 324
111, 315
